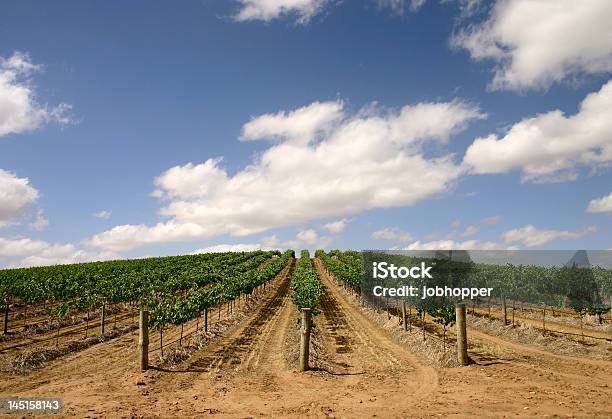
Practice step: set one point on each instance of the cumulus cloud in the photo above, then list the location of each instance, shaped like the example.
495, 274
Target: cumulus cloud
531, 236
307, 238
458, 245
551, 146
301, 125
394, 234
373, 159
337, 227
267, 10
16, 195
31, 252
539, 43
469, 231
106, 214
603, 204
238, 247
40, 223
19, 108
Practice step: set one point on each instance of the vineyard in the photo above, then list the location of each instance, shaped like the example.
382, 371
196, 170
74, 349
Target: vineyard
264, 333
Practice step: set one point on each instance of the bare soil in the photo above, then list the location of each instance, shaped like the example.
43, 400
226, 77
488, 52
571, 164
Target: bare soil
360, 369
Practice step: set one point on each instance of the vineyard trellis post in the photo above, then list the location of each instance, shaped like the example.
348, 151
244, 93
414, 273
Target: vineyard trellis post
410, 318
6, 315
504, 311
102, 318
143, 339
460, 325
423, 323
206, 320
404, 315
305, 339
87, 323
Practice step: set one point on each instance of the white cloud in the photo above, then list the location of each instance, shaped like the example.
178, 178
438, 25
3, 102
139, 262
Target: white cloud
268, 10
469, 231
531, 236
603, 204
19, 109
337, 227
456, 223
308, 238
373, 159
551, 146
538, 43
400, 6
394, 234
455, 245
40, 223
106, 214
301, 125
238, 247
16, 195
39, 253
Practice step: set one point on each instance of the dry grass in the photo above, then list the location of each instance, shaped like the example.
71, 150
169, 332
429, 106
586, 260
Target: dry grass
37, 358
528, 335
431, 349
589, 322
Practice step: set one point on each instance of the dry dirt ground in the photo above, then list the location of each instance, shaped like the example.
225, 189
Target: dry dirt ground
361, 371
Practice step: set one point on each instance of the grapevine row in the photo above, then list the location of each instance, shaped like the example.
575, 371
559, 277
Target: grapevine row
306, 287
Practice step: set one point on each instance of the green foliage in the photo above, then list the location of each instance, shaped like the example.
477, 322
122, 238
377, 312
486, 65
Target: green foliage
444, 315
175, 288
348, 266
170, 308
305, 285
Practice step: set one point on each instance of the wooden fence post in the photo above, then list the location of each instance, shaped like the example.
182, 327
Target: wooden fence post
205, 320
460, 324
305, 339
102, 318
504, 311
410, 318
6, 313
404, 315
143, 339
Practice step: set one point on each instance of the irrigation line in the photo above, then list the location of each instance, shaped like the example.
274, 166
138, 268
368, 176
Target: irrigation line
547, 330
34, 341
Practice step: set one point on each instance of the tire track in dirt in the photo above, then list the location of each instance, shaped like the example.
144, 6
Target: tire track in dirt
241, 345
372, 349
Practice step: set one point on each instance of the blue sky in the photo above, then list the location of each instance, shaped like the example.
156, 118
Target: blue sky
99, 99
